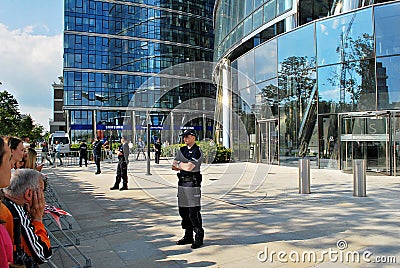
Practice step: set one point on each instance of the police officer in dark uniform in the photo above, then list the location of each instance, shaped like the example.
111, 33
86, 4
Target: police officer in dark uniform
122, 167
188, 161
97, 145
83, 153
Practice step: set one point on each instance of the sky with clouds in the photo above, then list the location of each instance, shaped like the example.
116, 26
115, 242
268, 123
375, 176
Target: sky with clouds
31, 49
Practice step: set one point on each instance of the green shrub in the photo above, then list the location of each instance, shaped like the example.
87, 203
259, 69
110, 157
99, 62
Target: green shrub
211, 154
223, 155
75, 147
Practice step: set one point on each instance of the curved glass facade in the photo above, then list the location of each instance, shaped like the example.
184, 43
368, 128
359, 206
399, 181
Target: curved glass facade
111, 48
328, 90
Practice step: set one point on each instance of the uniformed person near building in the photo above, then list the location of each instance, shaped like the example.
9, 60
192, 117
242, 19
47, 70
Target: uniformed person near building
188, 161
83, 153
97, 145
122, 167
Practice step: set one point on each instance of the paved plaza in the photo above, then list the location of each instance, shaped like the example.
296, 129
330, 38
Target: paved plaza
253, 217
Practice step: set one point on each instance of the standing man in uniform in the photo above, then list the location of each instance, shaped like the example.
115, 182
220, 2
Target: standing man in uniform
97, 145
188, 161
157, 151
83, 153
122, 167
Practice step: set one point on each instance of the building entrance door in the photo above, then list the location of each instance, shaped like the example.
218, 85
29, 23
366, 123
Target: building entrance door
395, 125
328, 141
366, 136
269, 141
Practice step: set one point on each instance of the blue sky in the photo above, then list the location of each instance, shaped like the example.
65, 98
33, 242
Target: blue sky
31, 53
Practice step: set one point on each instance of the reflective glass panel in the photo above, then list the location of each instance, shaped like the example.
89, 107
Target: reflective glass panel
245, 66
269, 10
388, 79
267, 99
257, 18
301, 55
297, 111
345, 38
266, 61
283, 5
347, 87
387, 36
248, 25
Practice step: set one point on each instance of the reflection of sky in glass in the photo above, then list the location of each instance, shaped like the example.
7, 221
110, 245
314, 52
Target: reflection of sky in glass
248, 95
265, 61
299, 43
331, 92
387, 36
330, 33
392, 66
245, 66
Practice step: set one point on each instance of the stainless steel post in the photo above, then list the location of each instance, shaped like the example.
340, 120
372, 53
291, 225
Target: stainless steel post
304, 176
148, 149
359, 178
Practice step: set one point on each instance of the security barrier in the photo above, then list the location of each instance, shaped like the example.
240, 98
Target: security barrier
304, 176
359, 178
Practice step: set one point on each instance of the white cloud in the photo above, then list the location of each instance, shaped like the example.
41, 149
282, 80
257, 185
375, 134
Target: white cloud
29, 64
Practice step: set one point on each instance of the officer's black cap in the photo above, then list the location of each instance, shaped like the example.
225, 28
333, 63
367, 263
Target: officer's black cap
188, 132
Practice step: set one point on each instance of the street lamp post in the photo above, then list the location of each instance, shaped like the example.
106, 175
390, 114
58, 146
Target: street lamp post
148, 145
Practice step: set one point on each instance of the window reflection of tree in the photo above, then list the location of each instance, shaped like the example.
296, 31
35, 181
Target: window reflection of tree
356, 62
295, 86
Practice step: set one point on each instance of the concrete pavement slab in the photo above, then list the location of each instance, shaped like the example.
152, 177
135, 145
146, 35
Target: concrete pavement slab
246, 207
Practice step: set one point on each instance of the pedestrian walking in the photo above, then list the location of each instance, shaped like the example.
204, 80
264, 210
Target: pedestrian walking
140, 148
83, 153
57, 149
45, 153
188, 161
122, 167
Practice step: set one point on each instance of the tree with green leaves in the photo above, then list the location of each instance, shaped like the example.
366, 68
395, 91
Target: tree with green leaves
10, 116
12, 123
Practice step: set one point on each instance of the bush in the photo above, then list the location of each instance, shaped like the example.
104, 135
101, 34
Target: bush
211, 154
75, 147
170, 150
223, 155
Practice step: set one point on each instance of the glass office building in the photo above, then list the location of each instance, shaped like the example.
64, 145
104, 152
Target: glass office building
309, 78
112, 48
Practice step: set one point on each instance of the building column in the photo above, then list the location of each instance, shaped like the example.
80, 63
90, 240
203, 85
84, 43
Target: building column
94, 124
67, 119
133, 138
226, 103
172, 128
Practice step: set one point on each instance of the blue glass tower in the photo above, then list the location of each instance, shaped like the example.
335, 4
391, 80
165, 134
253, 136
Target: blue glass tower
112, 47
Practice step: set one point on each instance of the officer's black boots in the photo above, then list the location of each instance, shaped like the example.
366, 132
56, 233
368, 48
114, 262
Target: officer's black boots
124, 187
198, 241
187, 239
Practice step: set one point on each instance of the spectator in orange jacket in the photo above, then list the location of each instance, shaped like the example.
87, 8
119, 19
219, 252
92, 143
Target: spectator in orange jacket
24, 199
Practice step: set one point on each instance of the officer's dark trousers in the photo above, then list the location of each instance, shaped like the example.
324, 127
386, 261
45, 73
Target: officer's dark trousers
191, 219
97, 161
157, 157
82, 157
122, 173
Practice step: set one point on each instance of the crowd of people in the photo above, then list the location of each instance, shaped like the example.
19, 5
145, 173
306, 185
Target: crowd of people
24, 240
23, 237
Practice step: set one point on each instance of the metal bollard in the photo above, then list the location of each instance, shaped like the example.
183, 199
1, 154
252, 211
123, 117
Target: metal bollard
359, 178
304, 176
